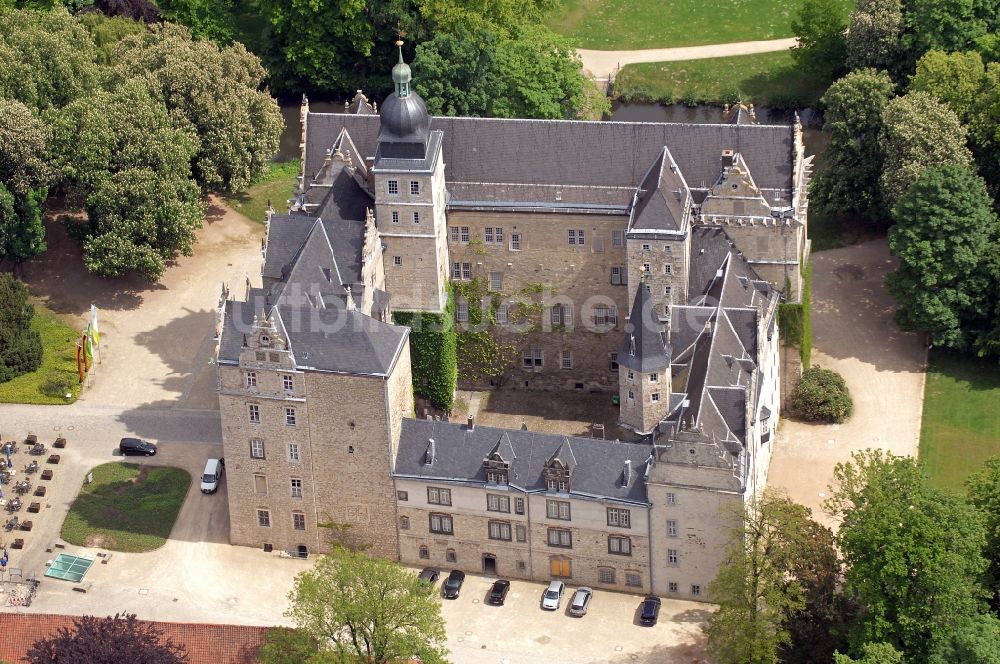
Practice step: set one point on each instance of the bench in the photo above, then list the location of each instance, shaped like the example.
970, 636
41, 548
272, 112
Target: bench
83, 587
35, 508
60, 442
26, 526
18, 544
53, 458
46, 474
31, 439
40, 491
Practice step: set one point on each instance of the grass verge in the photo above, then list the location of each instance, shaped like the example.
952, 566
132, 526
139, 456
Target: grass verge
277, 186
127, 507
633, 24
766, 79
57, 374
961, 424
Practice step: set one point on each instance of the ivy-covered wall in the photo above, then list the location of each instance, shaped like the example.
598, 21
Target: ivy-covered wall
795, 320
433, 353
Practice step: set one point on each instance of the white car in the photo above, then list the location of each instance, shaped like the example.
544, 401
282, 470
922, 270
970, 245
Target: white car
553, 595
581, 602
212, 475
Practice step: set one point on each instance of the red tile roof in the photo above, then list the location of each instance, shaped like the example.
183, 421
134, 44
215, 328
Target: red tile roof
205, 644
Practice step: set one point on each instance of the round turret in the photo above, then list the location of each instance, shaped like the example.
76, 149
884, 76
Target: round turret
403, 115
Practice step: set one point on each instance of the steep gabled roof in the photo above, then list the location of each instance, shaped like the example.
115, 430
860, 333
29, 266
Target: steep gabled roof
644, 347
564, 455
661, 201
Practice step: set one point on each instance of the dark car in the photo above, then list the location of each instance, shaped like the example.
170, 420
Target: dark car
136, 446
430, 575
498, 593
650, 610
453, 584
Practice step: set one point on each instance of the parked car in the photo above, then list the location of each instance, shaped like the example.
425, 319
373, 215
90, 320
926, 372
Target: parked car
453, 584
136, 446
581, 601
552, 596
430, 575
212, 475
498, 593
650, 610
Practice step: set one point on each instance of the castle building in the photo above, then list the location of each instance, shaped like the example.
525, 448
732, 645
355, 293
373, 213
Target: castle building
661, 252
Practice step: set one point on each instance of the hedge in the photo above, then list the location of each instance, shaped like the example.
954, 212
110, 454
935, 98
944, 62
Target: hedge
795, 320
821, 396
433, 353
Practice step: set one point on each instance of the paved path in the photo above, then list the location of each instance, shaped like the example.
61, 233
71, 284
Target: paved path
603, 65
853, 334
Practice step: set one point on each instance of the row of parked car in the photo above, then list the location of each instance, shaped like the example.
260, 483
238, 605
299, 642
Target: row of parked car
551, 599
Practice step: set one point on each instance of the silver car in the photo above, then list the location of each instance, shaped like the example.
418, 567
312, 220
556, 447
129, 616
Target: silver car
580, 602
553, 595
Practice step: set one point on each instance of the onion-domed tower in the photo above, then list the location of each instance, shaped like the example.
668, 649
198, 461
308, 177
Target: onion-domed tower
410, 199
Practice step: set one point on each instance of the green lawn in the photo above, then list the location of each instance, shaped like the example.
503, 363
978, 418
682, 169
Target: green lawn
277, 186
127, 508
635, 24
765, 79
961, 423
57, 375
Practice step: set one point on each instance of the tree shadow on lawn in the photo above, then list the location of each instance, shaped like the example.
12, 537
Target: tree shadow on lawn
185, 345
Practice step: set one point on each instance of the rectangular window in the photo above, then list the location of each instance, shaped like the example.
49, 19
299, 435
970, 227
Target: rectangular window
672, 587
496, 281
566, 359
425, 553
576, 237
631, 395
620, 546
465, 234
397, 261
253, 411
522, 533
497, 503
290, 417
667, 269
617, 238
654, 377
461, 271
395, 216
666, 291
695, 589
515, 242
402, 496
671, 498
293, 453
462, 311
672, 557
557, 509
263, 518
287, 382
260, 485
619, 275
454, 233
467, 271
393, 187
501, 314
519, 506
256, 448
557, 485
416, 217
560, 537
655, 397
630, 374
500, 530
646, 268
612, 361
556, 314
671, 528
441, 524
605, 315
498, 237
633, 580
414, 188
251, 379
296, 488
436, 496
531, 359
404, 523
645, 247
619, 517
488, 234
666, 248
496, 476
605, 575
298, 521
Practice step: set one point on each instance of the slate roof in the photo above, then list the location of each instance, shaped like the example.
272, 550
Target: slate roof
460, 451
204, 643
327, 339
644, 346
661, 200
572, 152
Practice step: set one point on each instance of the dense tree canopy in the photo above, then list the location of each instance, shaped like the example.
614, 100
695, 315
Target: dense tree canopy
20, 346
107, 641
24, 147
873, 38
872, 653
983, 490
946, 238
820, 26
358, 608
957, 79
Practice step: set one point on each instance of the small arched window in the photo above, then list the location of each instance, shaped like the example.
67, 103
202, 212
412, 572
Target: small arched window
450, 556
404, 523
425, 553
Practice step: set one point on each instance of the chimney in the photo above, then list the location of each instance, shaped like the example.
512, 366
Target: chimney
429, 454
471, 424
727, 158
627, 472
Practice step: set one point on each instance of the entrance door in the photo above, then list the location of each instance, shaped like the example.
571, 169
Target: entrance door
489, 564
560, 567
303, 551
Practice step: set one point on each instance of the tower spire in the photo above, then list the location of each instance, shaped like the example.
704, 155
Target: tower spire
401, 74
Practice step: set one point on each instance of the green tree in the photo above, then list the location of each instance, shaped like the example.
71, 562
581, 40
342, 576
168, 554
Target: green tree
873, 37
20, 346
984, 127
451, 16
913, 553
756, 588
918, 131
209, 19
853, 120
291, 646
983, 490
138, 219
946, 25
22, 230
973, 640
957, 79
821, 396
24, 147
217, 91
946, 236
820, 26
872, 653
367, 609
46, 58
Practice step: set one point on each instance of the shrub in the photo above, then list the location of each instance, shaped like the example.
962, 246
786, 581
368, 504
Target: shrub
20, 346
821, 396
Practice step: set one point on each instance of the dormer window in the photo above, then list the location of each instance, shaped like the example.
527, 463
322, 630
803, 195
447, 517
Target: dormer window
496, 477
496, 467
265, 340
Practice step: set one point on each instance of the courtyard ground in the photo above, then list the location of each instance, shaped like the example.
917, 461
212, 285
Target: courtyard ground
565, 413
853, 334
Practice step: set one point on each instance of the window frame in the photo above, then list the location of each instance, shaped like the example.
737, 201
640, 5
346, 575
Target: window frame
298, 521
496, 530
253, 413
619, 545
257, 443
442, 519
250, 379
414, 187
673, 558
442, 496
496, 502
554, 510
290, 416
563, 538
515, 242
296, 491
671, 528
606, 576
263, 518
496, 281
619, 517
287, 382
392, 187
293, 455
